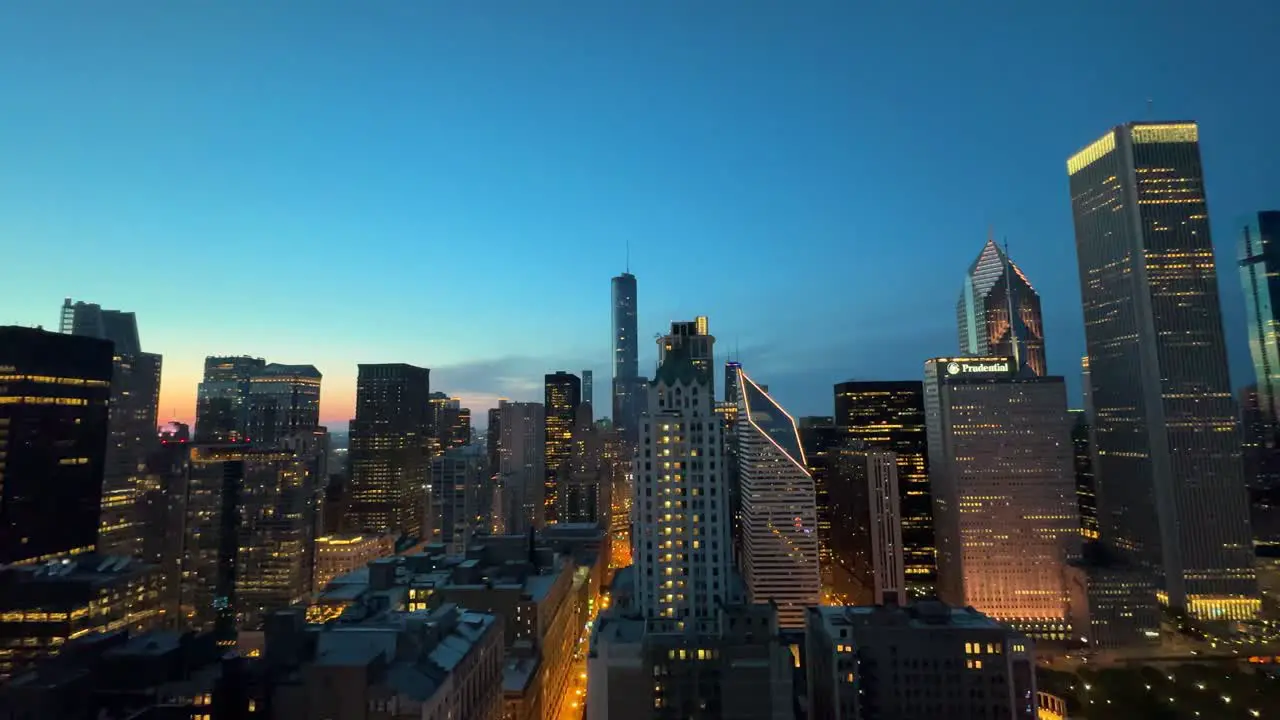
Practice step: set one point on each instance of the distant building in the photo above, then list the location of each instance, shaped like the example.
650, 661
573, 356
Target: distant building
890, 416
587, 476
866, 534
493, 440
1002, 467
521, 466
54, 402
779, 513
282, 400
340, 554
821, 440
453, 505
1260, 275
44, 606
588, 389
1113, 601
389, 452
1086, 488
998, 313
222, 398
628, 385
563, 392
692, 338
926, 660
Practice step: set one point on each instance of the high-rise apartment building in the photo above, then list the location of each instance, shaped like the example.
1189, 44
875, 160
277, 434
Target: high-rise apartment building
389, 447
563, 395
1260, 274
629, 396
222, 398
1171, 492
521, 472
131, 426
1004, 491
998, 313
694, 339
779, 514
889, 416
54, 397
681, 548
282, 400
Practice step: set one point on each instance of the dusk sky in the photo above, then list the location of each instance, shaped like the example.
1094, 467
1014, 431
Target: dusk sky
452, 184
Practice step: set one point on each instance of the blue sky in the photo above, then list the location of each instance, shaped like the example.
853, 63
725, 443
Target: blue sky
452, 184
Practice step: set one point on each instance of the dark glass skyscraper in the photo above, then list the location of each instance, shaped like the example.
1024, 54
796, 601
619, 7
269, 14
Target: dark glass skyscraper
54, 396
1086, 490
629, 388
1170, 487
890, 416
222, 399
283, 399
563, 392
1260, 274
135, 395
999, 312
389, 449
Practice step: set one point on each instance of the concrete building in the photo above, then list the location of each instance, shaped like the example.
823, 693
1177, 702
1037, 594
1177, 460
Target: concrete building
779, 511
340, 554
44, 606
454, 499
520, 465
1002, 467
926, 660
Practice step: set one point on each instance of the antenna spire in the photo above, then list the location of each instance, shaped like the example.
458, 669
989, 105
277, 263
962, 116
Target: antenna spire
628, 263
1151, 108
1008, 297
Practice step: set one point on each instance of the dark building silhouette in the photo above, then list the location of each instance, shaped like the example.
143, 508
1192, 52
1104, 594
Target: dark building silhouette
1086, 490
389, 450
889, 415
563, 396
1170, 487
629, 388
54, 395
821, 439
998, 313
222, 399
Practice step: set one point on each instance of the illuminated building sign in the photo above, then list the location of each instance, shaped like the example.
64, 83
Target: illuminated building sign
978, 367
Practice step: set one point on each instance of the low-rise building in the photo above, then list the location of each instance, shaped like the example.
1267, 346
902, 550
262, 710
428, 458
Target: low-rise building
340, 554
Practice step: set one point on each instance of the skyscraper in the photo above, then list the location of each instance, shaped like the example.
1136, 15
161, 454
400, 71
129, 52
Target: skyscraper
131, 427
563, 395
1260, 274
588, 388
222, 399
779, 514
693, 338
1171, 492
282, 400
521, 468
1086, 492
889, 415
628, 387
681, 549
1001, 465
585, 479
54, 396
998, 313
390, 436
821, 440
866, 537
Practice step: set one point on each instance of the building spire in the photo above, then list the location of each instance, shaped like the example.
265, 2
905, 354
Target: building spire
628, 262
1008, 297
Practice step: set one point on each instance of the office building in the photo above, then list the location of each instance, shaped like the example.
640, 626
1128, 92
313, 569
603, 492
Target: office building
131, 424
1086, 490
493, 439
1004, 490
585, 479
46, 605
521, 465
629, 395
889, 416
681, 549
222, 398
694, 339
1167, 443
1260, 275
779, 515
563, 395
54, 398
389, 446
440, 663
821, 439
926, 660
998, 313
166, 512
340, 554
1113, 601
866, 534
453, 500
249, 534
588, 388
282, 400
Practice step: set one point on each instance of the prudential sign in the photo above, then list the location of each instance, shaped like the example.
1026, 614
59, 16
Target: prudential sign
964, 368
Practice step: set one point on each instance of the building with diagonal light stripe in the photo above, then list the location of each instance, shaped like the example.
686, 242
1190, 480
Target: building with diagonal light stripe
779, 513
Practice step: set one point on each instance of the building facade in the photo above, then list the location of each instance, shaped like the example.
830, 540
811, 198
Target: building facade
521, 465
1171, 492
222, 398
340, 554
1086, 489
389, 451
866, 537
1260, 276
693, 339
282, 400
998, 313
563, 396
890, 416
779, 512
55, 395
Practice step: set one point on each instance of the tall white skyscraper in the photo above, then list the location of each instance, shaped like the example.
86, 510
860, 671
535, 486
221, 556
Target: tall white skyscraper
520, 464
779, 513
681, 548
1001, 466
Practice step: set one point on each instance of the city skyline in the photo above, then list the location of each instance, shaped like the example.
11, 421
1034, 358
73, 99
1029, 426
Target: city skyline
144, 172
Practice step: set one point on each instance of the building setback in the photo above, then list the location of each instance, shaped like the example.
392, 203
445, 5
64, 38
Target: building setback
1165, 427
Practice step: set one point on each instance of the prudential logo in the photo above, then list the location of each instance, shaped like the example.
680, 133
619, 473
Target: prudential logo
953, 368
